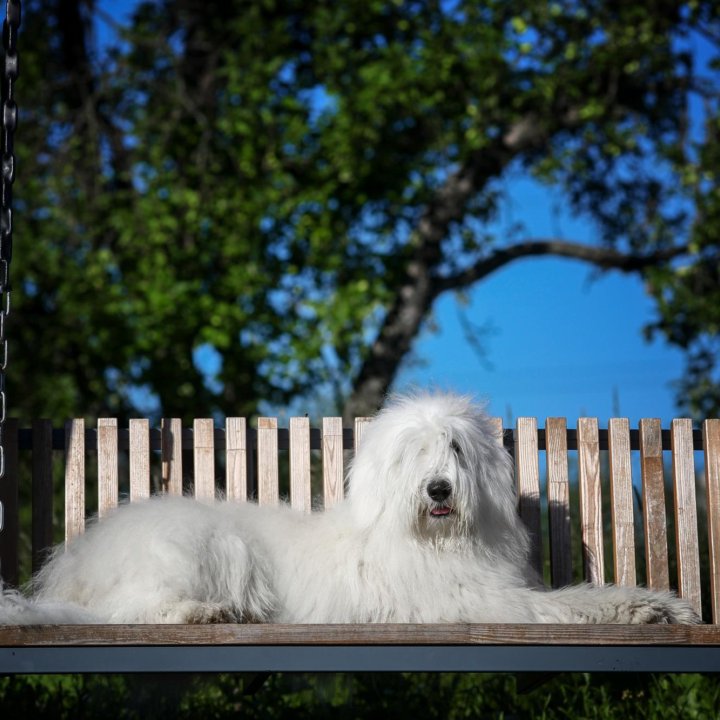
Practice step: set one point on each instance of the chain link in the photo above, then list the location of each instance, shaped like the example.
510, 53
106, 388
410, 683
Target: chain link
9, 121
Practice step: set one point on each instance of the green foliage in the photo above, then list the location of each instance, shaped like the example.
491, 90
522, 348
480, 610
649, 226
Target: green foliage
688, 295
442, 695
248, 179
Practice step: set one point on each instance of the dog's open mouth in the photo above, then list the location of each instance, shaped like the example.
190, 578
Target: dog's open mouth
441, 511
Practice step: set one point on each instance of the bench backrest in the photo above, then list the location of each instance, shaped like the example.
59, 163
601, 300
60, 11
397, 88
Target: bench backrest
618, 471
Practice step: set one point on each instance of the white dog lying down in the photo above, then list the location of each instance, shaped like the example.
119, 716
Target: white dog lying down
429, 533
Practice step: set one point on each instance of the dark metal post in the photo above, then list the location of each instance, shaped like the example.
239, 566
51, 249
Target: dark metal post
9, 121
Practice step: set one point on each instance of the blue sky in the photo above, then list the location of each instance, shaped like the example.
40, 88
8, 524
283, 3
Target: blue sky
562, 340
565, 340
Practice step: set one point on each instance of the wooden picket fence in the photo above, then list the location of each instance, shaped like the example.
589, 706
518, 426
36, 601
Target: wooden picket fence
163, 460
243, 462
250, 464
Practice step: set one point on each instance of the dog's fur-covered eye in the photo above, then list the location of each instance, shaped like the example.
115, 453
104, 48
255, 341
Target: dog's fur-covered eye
455, 447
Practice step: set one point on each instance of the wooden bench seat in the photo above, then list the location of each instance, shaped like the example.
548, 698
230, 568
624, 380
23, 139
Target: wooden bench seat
569, 482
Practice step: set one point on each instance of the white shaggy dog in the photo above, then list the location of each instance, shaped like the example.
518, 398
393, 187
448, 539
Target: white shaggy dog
429, 533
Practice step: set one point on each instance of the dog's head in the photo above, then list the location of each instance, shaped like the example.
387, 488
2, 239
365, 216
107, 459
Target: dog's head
432, 466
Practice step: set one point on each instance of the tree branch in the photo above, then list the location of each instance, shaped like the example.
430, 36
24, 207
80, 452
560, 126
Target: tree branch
415, 292
602, 257
421, 284
405, 316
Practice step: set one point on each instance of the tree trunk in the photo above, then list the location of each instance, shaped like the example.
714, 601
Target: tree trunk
422, 284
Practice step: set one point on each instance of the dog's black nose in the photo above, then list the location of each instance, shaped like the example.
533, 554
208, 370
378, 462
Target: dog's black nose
439, 490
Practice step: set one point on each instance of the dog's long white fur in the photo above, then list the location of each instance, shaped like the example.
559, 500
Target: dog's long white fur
389, 553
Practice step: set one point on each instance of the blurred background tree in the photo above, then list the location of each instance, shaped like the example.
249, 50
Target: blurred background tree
280, 190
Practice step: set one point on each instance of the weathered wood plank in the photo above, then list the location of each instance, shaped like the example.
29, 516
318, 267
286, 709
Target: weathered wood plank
300, 489
653, 496
496, 424
107, 458
204, 458
528, 486
268, 476
362, 634
686, 530
361, 425
621, 502
711, 446
42, 492
332, 459
591, 527
139, 458
74, 478
236, 476
10, 509
171, 456
558, 489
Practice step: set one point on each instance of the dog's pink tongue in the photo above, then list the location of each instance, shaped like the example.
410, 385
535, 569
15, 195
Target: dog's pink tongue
441, 511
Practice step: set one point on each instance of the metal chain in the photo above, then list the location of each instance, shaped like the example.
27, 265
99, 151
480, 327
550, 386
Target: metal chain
9, 121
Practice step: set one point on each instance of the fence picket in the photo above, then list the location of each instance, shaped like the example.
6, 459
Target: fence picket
591, 527
332, 453
686, 531
204, 458
300, 489
139, 458
711, 446
558, 489
653, 494
107, 450
74, 478
361, 425
236, 478
528, 486
267, 451
621, 502
171, 450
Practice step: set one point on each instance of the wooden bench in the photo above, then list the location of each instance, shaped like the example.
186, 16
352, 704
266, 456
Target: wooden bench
615, 468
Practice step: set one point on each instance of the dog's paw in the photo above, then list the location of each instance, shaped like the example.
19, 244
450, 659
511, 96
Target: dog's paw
192, 612
663, 608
